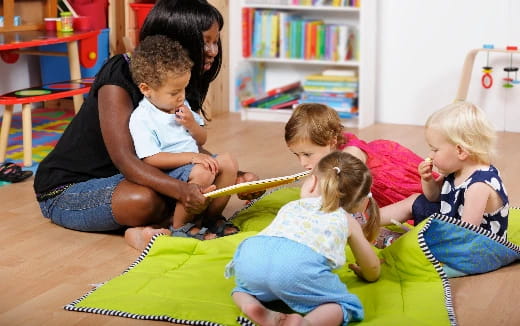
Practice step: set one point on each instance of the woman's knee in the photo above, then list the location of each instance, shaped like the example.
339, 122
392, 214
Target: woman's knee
135, 205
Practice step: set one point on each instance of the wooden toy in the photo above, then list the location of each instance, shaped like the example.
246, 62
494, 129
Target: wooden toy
508, 80
467, 70
487, 78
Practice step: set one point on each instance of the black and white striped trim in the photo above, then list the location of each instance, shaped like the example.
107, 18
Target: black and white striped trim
444, 278
72, 306
243, 321
117, 313
437, 265
249, 204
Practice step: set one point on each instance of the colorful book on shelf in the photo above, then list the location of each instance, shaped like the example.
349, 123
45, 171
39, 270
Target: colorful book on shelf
257, 34
275, 31
254, 186
352, 44
284, 34
347, 115
278, 99
342, 89
325, 83
285, 105
320, 41
343, 38
331, 78
331, 94
272, 92
266, 34
338, 106
247, 30
295, 38
331, 99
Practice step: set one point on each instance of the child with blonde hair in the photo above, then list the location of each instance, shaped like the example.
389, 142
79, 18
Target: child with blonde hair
469, 188
293, 258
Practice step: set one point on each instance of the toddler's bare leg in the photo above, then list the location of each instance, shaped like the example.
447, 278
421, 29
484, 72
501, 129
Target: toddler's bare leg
328, 314
263, 316
228, 168
198, 175
400, 211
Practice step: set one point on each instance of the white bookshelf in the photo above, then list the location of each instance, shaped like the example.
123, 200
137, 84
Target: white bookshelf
279, 72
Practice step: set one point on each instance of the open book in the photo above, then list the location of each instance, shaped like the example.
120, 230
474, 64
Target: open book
253, 186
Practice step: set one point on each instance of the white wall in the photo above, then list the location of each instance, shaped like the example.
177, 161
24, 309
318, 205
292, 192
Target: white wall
421, 50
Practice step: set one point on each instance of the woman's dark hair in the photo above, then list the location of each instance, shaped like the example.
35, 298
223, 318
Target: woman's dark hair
185, 21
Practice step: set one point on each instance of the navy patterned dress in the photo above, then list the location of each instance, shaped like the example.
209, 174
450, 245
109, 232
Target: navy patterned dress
452, 199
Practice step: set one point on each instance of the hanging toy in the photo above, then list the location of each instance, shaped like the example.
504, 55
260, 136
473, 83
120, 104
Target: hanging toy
516, 81
508, 80
487, 79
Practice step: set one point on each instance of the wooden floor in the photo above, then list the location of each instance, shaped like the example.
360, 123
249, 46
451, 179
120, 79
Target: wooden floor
43, 266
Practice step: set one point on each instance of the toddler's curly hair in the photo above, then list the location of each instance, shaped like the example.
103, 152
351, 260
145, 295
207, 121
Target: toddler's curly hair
156, 58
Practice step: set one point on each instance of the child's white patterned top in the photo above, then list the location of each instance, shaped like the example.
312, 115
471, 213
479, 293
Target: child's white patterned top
303, 221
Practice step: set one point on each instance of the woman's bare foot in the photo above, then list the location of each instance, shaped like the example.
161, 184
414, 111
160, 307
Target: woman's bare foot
139, 237
265, 317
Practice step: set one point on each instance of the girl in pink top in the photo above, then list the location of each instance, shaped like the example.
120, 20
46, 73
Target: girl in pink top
315, 130
393, 167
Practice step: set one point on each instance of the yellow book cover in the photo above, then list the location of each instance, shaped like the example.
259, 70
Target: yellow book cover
275, 28
332, 78
258, 185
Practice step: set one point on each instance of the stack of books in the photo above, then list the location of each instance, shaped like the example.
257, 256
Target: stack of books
283, 97
335, 88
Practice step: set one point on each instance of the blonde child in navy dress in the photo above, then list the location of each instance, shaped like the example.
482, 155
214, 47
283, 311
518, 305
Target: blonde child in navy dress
294, 257
462, 142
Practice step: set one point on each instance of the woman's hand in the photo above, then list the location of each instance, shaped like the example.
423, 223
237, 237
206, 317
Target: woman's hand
248, 177
192, 198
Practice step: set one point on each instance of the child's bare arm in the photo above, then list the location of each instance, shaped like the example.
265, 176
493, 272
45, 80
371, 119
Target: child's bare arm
184, 116
367, 264
478, 199
168, 161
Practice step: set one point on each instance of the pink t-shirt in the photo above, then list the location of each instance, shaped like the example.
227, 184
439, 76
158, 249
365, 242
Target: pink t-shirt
393, 167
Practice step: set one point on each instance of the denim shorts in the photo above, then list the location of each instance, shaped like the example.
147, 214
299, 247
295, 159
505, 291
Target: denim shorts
181, 173
84, 206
